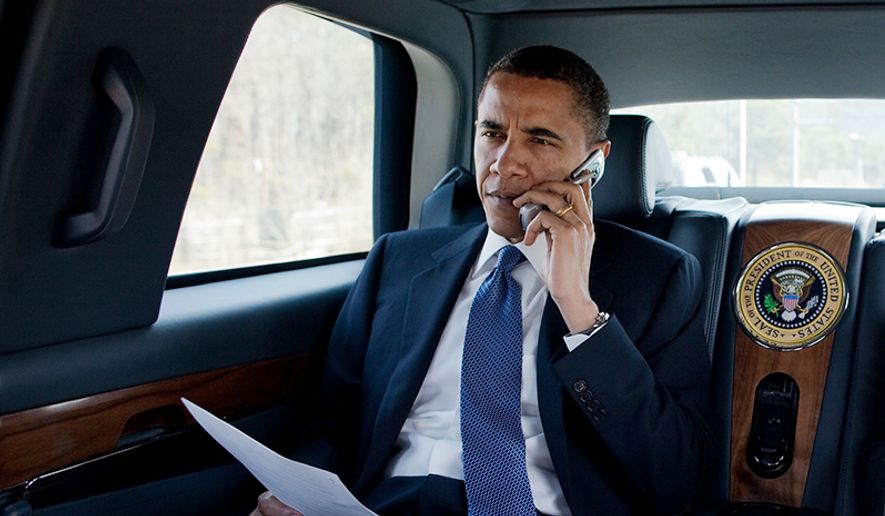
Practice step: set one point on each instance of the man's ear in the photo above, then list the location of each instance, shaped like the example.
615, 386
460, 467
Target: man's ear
606, 147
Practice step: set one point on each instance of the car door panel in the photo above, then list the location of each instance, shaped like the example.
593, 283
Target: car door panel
238, 347
96, 343
55, 146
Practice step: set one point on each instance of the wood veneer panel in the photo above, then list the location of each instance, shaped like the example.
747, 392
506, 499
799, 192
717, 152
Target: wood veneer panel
42, 439
829, 227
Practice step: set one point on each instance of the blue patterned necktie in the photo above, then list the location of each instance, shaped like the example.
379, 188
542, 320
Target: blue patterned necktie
491, 377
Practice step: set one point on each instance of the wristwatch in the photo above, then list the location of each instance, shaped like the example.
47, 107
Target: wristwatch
601, 320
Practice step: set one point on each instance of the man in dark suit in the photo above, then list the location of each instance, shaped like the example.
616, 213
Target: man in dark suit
613, 385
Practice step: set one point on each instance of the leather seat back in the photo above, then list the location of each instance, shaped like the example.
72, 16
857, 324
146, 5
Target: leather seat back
639, 167
862, 483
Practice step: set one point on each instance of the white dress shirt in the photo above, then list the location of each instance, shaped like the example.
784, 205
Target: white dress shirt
430, 440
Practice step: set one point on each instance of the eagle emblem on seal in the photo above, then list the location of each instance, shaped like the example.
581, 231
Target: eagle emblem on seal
791, 290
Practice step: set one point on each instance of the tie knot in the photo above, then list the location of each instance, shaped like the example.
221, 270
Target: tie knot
508, 258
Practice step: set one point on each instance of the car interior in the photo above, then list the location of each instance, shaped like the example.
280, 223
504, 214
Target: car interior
108, 110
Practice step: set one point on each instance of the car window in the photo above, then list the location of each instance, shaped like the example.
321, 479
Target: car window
286, 173
803, 143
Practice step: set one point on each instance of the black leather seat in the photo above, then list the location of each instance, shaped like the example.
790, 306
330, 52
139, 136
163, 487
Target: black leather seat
640, 167
862, 484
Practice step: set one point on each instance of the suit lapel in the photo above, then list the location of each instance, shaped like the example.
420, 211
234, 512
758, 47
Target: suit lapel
551, 394
431, 295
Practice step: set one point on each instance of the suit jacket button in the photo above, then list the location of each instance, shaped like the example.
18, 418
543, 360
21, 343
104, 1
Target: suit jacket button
601, 413
586, 396
592, 405
580, 386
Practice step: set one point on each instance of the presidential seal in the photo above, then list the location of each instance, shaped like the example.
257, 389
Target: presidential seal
790, 296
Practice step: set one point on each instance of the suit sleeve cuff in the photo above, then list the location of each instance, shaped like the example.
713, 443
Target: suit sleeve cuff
573, 340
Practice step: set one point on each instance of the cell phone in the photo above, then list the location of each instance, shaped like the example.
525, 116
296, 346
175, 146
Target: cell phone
591, 170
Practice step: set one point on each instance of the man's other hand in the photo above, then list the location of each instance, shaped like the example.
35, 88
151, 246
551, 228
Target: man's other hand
268, 505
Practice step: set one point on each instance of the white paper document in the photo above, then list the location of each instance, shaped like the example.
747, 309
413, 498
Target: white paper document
312, 491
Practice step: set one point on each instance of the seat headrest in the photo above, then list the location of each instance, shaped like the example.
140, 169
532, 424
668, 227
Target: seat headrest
639, 163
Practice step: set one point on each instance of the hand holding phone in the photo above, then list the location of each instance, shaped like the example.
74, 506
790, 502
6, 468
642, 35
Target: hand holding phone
591, 170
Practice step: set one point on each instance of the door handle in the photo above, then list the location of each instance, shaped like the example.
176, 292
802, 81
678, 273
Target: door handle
118, 78
151, 423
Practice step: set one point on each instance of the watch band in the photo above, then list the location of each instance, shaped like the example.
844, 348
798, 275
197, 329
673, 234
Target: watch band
601, 319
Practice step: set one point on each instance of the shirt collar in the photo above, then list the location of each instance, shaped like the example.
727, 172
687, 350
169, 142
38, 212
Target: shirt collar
536, 254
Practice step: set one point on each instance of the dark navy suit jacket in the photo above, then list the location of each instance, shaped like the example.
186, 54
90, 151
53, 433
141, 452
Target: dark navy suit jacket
624, 415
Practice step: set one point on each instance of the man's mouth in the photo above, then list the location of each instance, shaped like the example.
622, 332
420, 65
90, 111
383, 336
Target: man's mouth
504, 194
502, 199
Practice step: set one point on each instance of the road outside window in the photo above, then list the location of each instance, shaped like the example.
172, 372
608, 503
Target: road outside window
287, 170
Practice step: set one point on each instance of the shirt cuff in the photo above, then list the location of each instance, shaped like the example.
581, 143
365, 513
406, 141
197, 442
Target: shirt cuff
574, 340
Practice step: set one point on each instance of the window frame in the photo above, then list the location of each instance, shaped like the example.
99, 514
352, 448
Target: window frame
395, 105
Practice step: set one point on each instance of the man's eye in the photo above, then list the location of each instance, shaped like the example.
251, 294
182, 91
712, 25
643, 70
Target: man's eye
540, 141
491, 134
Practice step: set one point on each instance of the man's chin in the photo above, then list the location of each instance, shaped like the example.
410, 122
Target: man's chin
510, 230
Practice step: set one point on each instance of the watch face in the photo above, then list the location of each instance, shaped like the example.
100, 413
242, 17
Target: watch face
790, 296
600, 321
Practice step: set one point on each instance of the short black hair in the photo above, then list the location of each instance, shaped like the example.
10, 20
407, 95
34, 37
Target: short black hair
549, 62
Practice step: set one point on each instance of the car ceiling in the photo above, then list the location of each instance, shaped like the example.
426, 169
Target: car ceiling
705, 54
510, 6
654, 51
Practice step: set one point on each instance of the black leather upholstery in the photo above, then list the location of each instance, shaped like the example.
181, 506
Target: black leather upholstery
704, 228
639, 161
870, 474
862, 484
453, 201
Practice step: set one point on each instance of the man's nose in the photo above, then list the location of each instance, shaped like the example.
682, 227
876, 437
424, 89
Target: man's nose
510, 161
